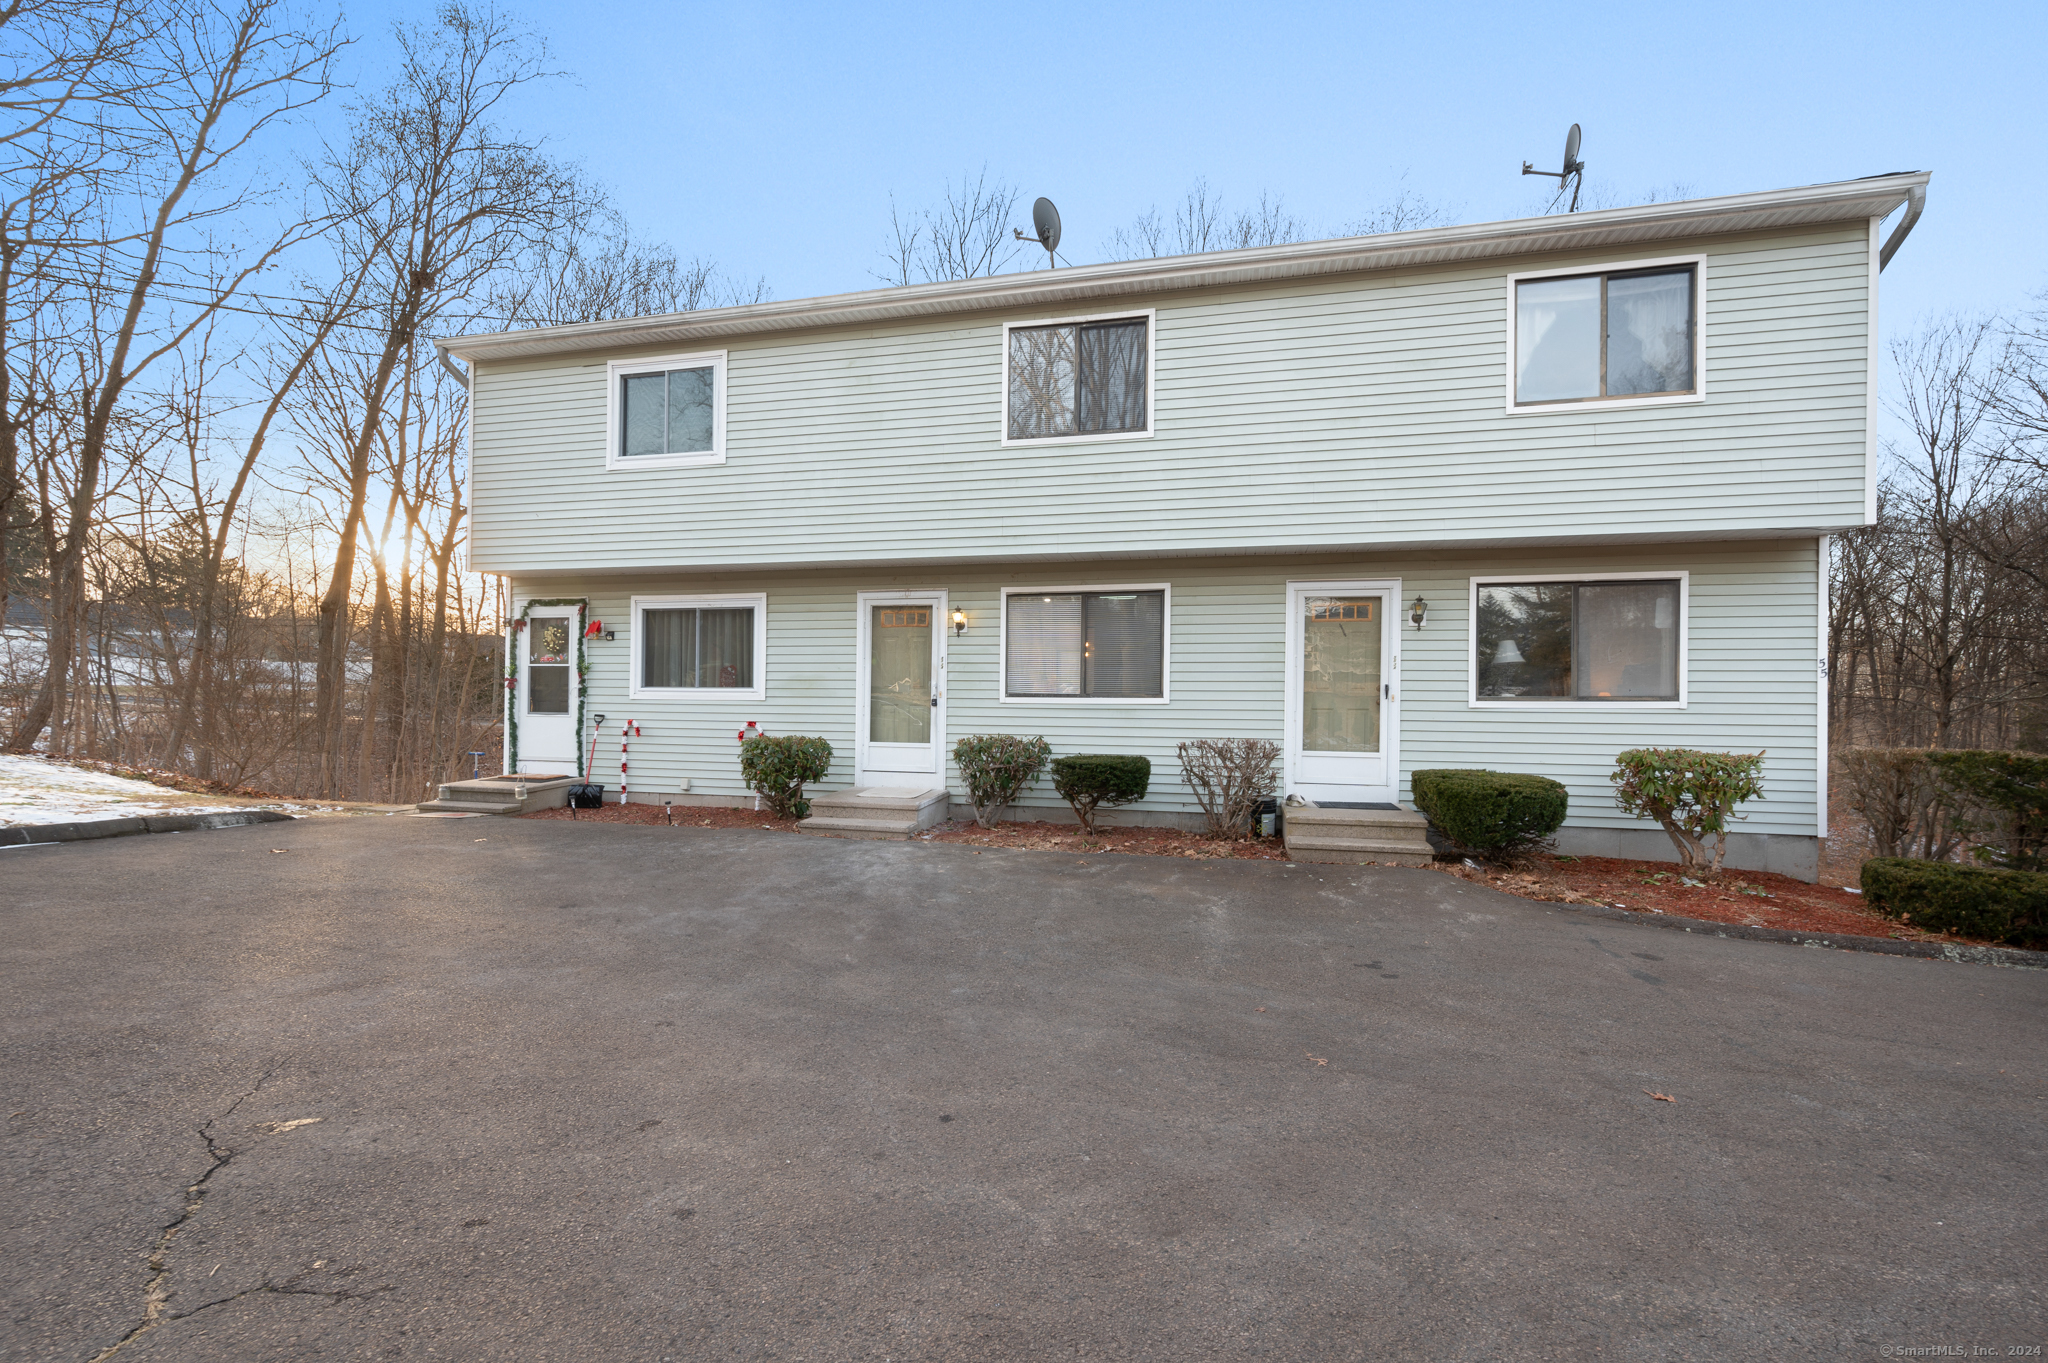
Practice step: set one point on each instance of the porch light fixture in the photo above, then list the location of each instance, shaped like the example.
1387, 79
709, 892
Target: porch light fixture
959, 622
1418, 614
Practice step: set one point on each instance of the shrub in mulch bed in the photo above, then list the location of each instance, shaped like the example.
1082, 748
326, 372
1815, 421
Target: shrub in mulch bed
1972, 901
1748, 898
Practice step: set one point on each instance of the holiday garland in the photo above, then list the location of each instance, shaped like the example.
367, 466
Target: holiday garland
512, 682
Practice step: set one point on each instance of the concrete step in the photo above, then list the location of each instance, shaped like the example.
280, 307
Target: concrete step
1352, 837
464, 807
875, 812
498, 795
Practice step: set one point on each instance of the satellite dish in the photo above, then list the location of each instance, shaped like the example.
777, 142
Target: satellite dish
1045, 220
1574, 170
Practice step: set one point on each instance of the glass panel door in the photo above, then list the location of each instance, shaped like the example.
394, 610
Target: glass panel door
900, 674
1341, 728
902, 715
1340, 674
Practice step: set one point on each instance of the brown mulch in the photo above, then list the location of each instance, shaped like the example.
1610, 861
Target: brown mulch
1749, 898
1144, 842
681, 816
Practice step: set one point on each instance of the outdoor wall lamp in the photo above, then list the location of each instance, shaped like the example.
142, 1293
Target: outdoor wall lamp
1418, 614
959, 622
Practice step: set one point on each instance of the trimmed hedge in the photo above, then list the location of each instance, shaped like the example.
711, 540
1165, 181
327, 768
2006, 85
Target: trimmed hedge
1490, 812
2001, 801
1091, 779
1970, 901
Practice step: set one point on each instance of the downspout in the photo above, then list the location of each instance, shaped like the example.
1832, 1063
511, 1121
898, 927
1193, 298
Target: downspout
463, 378
1916, 203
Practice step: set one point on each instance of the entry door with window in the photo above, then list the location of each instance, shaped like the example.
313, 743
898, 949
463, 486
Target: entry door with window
547, 691
1342, 700
901, 726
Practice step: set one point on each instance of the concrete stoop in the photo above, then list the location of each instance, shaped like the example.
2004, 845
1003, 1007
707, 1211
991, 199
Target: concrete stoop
1352, 837
500, 795
875, 812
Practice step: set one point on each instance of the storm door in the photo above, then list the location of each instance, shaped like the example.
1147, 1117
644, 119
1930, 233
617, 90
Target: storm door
1341, 681
547, 691
902, 690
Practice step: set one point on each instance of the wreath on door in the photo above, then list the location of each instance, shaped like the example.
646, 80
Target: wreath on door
512, 678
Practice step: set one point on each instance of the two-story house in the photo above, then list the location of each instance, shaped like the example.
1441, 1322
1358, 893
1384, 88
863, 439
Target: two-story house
1516, 495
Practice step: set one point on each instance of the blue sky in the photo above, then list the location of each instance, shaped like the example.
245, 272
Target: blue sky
770, 137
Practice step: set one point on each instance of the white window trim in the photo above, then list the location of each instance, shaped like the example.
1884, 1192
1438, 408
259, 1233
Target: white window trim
1003, 695
614, 406
758, 691
1472, 697
1699, 339
1151, 316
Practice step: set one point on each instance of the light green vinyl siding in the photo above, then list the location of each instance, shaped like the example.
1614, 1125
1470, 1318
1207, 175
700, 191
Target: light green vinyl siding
1753, 674
1356, 410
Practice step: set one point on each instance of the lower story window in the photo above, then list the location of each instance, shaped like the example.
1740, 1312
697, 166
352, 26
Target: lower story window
1109, 645
1577, 641
688, 647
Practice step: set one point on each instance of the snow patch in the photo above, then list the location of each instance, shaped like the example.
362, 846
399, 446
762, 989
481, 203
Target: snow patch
35, 790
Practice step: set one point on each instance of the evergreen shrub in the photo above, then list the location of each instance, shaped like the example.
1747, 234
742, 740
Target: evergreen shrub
1493, 813
2001, 803
779, 767
1970, 901
1690, 794
1089, 780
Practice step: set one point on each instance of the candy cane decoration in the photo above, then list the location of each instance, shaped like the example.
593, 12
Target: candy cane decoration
630, 729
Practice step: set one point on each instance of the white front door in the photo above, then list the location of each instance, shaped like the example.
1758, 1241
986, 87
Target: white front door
900, 730
547, 690
1343, 691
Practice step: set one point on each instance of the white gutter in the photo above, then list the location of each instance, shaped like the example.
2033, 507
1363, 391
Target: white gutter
1879, 197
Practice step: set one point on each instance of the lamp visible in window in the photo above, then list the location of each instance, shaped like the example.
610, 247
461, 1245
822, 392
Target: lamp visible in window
959, 622
1507, 655
1418, 614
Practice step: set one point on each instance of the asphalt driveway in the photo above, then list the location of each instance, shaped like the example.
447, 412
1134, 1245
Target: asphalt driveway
590, 1091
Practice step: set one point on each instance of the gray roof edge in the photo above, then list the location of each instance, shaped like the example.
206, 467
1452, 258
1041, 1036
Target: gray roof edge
1875, 197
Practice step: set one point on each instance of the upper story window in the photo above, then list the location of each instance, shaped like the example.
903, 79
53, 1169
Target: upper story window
1572, 641
1622, 335
1085, 378
668, 410
1107, 644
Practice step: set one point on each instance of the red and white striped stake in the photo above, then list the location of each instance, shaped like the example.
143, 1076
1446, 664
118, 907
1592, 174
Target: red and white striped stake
629, 729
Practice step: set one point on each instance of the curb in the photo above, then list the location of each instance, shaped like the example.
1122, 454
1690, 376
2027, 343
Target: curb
2009, 957
87, 830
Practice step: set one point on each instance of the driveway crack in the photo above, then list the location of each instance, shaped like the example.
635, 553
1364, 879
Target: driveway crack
156, 1293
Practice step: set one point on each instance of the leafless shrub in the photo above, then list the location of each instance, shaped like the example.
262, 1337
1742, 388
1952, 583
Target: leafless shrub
1229, 777
1895, 791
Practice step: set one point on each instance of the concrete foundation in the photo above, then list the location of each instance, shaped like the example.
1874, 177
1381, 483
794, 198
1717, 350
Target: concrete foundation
1783, 853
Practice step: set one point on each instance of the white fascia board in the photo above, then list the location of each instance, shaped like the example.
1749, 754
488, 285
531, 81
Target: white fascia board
1612, 227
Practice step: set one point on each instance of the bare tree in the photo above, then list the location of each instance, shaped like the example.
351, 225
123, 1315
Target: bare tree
194, 92
1199, 223
968, 235
597, 276
434, 200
